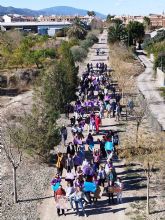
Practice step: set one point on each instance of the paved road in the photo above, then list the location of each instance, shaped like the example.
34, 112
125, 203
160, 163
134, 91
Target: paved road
102, 209
147, 86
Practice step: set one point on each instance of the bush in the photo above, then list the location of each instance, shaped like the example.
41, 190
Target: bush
73, 42
91, 36
61, 33
79, 53
158, 38
50, 52
86, 44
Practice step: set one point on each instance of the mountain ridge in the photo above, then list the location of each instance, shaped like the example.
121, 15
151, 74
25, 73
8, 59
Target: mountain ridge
57, 10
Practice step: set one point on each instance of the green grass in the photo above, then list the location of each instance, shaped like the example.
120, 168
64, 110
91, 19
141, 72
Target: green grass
162, 91
138, 217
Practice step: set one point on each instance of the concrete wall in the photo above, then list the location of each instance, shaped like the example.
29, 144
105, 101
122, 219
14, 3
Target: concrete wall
160, 78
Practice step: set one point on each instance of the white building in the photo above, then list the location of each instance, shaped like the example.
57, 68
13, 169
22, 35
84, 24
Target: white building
7, 19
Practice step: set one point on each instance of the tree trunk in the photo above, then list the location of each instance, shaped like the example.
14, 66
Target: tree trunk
15, 184
139, 46
137, 134
148, 193
122, 95
126, 112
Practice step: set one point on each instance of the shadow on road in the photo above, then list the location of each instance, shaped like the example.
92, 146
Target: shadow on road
35, 199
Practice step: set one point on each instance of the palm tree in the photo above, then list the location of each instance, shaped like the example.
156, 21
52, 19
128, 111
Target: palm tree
136, 33
91, 13
117, 33
109, 18
77, 30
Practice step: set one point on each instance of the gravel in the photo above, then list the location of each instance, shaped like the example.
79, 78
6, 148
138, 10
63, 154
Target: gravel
32, 182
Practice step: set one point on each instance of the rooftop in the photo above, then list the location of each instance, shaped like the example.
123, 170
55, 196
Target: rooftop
34, 23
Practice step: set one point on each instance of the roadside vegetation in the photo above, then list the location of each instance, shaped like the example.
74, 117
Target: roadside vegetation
139, 146
37, 132
156, 46
162, 91
128, 35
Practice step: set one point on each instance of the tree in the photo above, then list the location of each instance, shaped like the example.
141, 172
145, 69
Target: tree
147, 23
109, 18
40, 125
13, 147
139, 113
117, 21
116, 33
147, 153
79, 53
160, 61
77, 30
91, 13
71, 71
92, 35
97, 24
135, 33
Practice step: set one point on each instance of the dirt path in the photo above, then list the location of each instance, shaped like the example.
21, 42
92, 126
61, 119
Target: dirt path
47, 209
102, 209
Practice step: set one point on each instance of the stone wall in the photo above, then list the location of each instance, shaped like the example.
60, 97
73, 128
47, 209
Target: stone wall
160, 78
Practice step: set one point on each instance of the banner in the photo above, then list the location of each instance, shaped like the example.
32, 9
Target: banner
109, 146
89, 187
55, 187
114, 189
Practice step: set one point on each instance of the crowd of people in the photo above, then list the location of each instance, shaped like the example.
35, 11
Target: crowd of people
88, 161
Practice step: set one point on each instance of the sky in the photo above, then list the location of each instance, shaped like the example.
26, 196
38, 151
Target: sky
118, 7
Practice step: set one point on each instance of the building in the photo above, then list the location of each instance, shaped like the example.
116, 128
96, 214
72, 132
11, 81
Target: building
17, 18
1, 19
127, 19
157, 21
36, 27
56, 18
7, 18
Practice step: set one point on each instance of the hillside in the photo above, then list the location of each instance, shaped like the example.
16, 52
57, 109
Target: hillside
58, 10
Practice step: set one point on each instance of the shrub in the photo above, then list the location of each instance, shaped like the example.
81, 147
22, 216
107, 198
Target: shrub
50, 52
86, 44
91, 36
79, 53
158, 38
61, 33
73, 42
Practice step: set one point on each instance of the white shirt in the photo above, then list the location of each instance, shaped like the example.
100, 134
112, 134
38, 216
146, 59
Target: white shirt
69, 191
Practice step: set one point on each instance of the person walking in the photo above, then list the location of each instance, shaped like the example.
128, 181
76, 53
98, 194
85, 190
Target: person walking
96, 159
113, 108
108, 109
64, 134
101, 176
69, 163
119, 184
118, 112
97, 123
70, 149
78, 197
111, 185
60, 163
57, 196
69, 191
87, 122
77, 161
